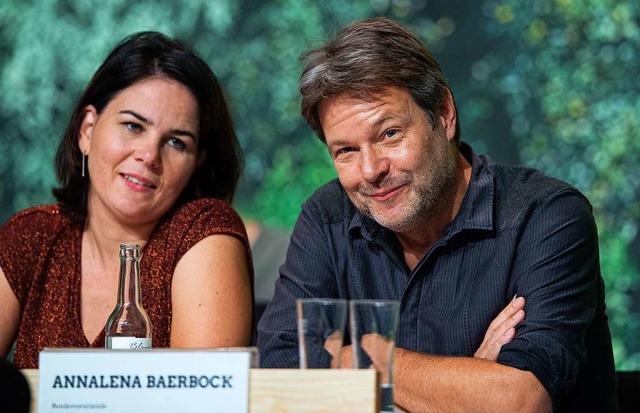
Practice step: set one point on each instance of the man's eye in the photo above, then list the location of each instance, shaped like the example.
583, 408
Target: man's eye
391, 133
343, 151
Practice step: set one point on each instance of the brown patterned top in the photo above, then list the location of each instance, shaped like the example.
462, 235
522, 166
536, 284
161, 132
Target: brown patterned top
40, 250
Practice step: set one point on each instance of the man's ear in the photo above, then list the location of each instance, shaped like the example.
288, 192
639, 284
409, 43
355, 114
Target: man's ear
89, 119
448, 116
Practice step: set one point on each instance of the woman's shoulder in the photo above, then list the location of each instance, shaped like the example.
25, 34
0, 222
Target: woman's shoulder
42, 219
31, 234
43, 210
209, 211
208, 216
193, 221
206, 204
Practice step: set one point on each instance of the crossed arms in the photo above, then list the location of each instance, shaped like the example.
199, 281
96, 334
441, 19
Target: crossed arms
556, 270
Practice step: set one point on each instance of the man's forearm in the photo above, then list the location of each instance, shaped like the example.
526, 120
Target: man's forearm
427, 383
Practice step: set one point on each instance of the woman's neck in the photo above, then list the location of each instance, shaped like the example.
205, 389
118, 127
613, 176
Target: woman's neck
103, 236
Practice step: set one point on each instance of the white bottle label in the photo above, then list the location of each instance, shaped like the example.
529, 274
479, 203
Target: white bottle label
128, 343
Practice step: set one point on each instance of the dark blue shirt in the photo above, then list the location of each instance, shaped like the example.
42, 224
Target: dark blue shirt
517, 232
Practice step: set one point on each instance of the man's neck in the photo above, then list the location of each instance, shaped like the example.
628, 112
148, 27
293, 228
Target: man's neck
417, 242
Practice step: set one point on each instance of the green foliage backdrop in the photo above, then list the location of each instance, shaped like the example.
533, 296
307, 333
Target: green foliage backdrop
571, 80
552, 84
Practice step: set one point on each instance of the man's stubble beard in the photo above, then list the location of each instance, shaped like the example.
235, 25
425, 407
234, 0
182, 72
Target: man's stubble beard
430, 193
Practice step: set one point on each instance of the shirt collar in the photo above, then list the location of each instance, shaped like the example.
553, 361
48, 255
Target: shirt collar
476, 210
365, 227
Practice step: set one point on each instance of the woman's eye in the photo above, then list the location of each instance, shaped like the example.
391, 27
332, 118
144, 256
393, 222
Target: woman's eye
132, 126
177, 143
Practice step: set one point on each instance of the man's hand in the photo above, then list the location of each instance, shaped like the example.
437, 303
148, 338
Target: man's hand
501, 330
346, 356
333, 345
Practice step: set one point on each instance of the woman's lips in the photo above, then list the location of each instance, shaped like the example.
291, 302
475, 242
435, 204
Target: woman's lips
138, 180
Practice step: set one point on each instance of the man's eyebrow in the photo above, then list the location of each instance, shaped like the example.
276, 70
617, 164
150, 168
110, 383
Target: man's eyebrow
377, 124
149, 122
337, 143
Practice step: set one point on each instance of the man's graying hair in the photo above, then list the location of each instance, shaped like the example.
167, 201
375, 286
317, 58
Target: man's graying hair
363, 59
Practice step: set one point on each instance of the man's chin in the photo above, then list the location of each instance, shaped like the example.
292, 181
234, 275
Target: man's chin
392, 221
392, 218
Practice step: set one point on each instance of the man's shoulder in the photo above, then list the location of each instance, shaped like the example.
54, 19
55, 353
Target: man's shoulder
522, 176
330, 203
518, 187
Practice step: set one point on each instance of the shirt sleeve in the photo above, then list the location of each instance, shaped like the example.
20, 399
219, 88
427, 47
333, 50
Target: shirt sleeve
308, 271
205, 217
24, 242
557, 272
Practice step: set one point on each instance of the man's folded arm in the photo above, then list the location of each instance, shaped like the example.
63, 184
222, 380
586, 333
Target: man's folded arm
557, 272
428, 383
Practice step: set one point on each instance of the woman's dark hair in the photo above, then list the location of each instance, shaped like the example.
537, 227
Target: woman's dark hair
138, 57
363, 59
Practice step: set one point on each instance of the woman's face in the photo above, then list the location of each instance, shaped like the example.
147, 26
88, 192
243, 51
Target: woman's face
142, 149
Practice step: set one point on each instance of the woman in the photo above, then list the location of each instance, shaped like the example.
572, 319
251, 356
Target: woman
149, 157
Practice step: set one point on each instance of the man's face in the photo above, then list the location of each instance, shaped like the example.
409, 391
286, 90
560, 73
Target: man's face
394, 166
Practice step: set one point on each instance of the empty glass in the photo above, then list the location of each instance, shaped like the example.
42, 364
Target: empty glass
321, 325
374, 324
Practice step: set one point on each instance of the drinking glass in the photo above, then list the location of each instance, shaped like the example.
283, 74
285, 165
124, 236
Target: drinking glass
374, 324
321, 323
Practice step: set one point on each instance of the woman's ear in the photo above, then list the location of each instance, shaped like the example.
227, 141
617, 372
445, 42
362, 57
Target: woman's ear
201, 155
89, 119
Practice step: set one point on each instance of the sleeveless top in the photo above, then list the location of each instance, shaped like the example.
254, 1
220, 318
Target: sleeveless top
40, 254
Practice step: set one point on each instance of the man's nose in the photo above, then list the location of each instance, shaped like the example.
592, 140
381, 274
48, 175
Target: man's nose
374, 164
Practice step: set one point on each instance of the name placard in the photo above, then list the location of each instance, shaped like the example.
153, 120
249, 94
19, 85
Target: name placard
158, 380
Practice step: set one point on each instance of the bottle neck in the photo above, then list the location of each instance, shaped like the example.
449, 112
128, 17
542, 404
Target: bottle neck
129, 291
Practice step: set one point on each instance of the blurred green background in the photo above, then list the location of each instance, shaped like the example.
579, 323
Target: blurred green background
551, 84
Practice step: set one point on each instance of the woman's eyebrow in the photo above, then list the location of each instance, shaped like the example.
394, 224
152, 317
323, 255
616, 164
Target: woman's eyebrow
149, 122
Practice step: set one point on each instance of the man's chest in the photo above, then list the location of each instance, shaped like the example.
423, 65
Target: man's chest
449, 299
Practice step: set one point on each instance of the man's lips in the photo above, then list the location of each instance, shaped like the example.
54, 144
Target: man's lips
383, 195
138, 180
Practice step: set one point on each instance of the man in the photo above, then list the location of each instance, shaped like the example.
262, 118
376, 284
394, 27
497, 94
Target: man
418, 217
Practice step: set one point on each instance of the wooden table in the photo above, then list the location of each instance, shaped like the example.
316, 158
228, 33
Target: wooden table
295, 391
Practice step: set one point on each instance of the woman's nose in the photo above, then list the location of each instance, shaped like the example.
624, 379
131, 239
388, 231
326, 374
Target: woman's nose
148, 152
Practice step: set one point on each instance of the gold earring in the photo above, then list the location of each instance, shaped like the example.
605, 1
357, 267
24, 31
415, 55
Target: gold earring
84, 164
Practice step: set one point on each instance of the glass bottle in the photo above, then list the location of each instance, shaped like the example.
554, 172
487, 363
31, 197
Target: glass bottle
128, 326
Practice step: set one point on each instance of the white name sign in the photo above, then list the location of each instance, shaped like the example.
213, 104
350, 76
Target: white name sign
158, 380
